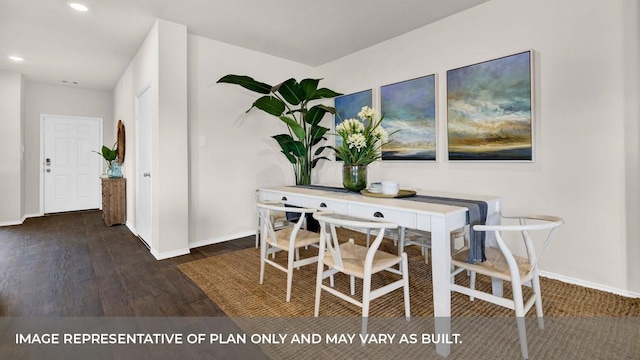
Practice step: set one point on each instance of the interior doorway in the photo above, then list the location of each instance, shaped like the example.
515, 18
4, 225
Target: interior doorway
143, 164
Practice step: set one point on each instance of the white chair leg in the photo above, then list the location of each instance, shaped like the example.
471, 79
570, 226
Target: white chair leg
519, 308
405, 278
522, 333
316, 310
363, 331
263, 255
535, 284
352, 284
472, 284
290, 274
366, 293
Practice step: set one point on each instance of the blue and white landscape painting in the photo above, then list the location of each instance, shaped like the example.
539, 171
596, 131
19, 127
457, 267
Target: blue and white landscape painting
409, 109
348, 107
489, 110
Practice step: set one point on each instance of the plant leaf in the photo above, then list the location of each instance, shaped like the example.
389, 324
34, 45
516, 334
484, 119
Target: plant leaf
298, 149
289, 145
325, 93
316, 133
315, 115
292, 159
291, 91
295, 127
270, 104
246, 82
283, 140
315, 161
109, 154
321, 149
328, 109
309, 87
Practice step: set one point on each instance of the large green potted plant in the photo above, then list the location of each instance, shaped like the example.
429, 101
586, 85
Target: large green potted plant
289, 101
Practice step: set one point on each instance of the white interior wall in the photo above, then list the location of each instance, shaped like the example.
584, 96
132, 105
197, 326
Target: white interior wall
141, 72
23, 165
231, 152
631, 44
161, 63
11, 167
170, 144
579, 168
58, 100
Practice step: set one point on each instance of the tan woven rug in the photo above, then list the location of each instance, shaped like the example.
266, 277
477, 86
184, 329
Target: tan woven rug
231, 280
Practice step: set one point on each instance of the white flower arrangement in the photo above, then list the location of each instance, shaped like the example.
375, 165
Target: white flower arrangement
362, 139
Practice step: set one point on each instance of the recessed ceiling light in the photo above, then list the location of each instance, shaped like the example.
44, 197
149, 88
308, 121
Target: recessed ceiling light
78, 7
16, 58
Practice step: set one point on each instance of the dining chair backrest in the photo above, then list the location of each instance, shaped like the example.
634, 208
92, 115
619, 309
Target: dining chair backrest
266, 209
328, 224
526, 225
278, 218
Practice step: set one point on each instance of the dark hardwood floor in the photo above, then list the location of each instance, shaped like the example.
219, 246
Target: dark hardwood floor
74, 265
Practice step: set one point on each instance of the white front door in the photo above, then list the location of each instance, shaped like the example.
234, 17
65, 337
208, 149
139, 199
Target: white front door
143, 165
71, 171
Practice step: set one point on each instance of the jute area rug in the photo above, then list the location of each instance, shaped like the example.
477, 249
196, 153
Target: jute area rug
580, 323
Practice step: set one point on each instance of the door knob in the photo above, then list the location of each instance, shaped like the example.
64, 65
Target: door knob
48, 170
146, 174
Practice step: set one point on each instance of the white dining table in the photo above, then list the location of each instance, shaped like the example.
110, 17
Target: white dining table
438, 219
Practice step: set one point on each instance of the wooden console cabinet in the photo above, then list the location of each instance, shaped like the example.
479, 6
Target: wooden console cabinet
114, 201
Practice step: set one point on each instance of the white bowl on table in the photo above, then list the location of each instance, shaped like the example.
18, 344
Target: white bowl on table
375, 188
390, 187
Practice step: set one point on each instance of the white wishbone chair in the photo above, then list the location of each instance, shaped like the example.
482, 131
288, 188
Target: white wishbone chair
290, 239
501, 264
357, 261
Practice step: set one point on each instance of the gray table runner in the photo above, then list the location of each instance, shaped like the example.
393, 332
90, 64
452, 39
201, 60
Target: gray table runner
477, 215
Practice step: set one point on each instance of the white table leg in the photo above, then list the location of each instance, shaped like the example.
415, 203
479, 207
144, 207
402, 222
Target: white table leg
401, 234
441, 277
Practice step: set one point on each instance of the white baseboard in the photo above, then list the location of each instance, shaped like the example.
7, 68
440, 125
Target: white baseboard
170, 254
220, 239
11, 223
589, 284
19, 222
131, 228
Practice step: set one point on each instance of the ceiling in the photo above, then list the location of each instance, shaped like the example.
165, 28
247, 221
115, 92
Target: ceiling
94, 48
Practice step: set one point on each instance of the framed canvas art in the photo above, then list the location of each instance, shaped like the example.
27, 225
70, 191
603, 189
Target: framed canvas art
489, 110
348, 106
409, 109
